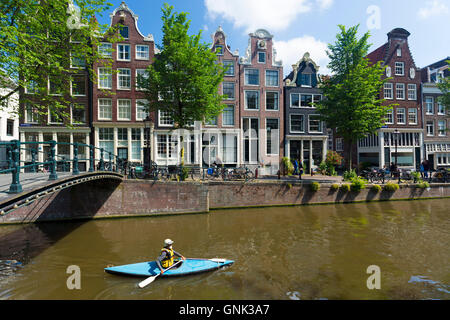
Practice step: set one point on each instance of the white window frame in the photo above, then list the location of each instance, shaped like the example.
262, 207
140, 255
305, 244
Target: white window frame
312, 100
245, 77
399, 52
432, 105
72, 107
309, 124
147, 57
444, 130
234, 120
391, 114
219, 46
245, 100
278, 78
290, 122
119, 51
119, 117
119, 87
34, 116
100, 112
109, 77
399, 65
290, 101
441, 109
138, 110
428, 126
264, 54
415, 115
234, 90
404, 115
400, 87
412, 87
277, 150
278, 101
388, 87
136, 79
164, 124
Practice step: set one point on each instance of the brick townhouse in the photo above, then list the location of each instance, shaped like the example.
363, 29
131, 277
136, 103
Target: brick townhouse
261, 104
403, 127
117, 103
435, 116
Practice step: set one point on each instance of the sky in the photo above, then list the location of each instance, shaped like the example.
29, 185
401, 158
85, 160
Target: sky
301, 26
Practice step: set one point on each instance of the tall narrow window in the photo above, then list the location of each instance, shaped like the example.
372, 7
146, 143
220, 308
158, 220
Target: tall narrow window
124, 109
429, 102
400, 91
124, 79
297, 123
272, 100
123, 52
229, 66
412, 116
272, 78
388, 91
401, 116
228, 90
399, 68
272, 136
412, 91
228, 115
105, 109
104, 78
252, 100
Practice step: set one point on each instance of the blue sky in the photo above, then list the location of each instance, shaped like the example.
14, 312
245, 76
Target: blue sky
307, 25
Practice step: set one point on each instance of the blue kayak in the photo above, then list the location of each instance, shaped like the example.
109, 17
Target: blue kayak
186, 267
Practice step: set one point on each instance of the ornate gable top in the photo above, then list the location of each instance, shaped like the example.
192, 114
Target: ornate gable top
262, 34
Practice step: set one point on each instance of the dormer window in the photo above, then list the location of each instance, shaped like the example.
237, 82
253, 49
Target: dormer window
261, 57
399, 52
306, 79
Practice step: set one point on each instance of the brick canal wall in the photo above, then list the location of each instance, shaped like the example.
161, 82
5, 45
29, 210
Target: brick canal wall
238, 195
108, 199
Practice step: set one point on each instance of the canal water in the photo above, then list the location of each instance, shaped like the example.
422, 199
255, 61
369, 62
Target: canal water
307, 252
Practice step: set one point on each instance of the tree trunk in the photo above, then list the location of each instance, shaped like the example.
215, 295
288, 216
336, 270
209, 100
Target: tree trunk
350, 155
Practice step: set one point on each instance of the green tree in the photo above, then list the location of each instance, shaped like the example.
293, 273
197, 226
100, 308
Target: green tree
43, 43
184, 78
352, 105
444, 86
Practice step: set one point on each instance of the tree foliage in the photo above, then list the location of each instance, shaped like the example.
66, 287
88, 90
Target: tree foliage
444, 86
43, 43
184, 78
353, 105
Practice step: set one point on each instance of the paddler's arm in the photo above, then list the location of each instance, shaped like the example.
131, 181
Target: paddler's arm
179, 255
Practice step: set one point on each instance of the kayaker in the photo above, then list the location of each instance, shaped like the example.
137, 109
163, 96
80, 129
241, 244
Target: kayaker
165, 260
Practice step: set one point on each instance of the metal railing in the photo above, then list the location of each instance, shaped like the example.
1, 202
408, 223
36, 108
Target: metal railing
15, 164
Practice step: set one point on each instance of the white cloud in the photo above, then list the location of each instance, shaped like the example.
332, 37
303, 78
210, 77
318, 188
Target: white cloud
255, 14
325, 4
432, 8
292, 51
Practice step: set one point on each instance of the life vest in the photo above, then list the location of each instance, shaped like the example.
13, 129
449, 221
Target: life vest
168, 260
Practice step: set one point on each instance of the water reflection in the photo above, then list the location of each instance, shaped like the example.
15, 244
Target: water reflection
310, 252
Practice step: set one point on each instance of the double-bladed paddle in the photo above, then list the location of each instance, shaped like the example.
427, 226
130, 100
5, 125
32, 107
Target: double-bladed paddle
149, 280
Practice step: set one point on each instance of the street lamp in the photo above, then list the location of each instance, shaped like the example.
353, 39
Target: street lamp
396, 136
148, 124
